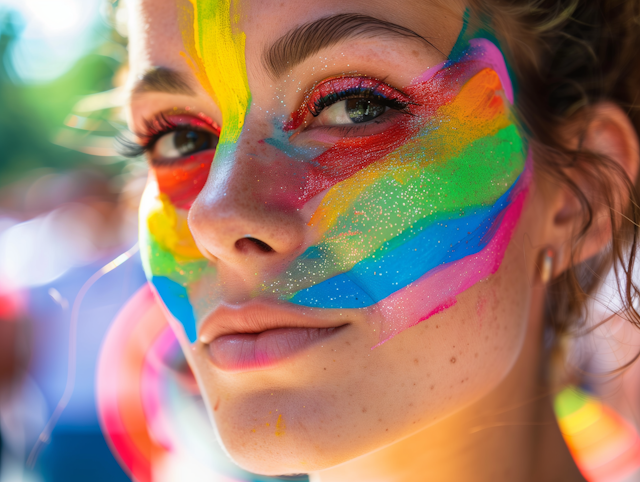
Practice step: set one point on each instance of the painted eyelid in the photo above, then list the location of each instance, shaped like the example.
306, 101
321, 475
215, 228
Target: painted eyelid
162, 124
194, 121
360, 85
328, 86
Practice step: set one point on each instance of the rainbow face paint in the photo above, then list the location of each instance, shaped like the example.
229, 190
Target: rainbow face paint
413, 213
416, 226
172, 262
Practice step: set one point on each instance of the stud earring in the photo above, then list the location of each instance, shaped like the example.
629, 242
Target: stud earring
546, 268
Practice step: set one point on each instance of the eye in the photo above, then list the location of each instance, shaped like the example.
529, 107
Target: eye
351, 111
359, 104
183, 142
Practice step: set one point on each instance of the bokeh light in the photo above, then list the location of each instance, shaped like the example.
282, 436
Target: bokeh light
52, 36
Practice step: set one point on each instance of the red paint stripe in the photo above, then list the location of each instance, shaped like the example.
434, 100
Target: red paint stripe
183, 180
350, 155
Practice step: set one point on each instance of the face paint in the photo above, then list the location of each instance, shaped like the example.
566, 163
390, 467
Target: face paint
412, 214
216, 54
172, 262
418, 224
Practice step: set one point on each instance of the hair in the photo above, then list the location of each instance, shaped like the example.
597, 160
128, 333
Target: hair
568, 55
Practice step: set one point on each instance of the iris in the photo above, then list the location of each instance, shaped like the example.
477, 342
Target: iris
363, 110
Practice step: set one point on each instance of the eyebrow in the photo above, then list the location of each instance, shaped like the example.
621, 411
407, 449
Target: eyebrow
162, 79
300, 43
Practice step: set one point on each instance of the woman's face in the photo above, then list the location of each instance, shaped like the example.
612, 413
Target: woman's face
335, 214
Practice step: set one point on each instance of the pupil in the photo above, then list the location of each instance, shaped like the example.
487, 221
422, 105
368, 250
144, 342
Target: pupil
363, 110
191, 141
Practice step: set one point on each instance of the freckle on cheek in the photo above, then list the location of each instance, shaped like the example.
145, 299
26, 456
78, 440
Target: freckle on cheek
480, 308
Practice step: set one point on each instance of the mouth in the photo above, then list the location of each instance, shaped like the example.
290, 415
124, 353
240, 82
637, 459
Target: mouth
258, 336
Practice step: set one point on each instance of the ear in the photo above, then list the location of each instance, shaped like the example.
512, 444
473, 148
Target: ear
603, 130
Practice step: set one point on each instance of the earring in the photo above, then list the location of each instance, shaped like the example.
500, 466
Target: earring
546, 269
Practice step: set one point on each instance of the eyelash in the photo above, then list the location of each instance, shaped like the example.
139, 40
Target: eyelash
324, 95
335, 90
154, 129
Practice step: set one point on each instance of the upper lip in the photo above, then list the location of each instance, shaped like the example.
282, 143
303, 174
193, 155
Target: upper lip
259, 316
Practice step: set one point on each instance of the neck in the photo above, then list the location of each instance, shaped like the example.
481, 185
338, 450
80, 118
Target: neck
509, 434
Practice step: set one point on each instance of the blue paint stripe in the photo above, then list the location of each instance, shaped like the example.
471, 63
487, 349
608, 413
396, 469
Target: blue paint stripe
176, 299
407, 257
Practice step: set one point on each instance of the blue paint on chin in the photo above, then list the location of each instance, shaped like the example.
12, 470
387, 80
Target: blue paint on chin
407, 257
176, 299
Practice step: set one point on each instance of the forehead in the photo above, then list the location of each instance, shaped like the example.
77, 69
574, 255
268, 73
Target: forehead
156, 25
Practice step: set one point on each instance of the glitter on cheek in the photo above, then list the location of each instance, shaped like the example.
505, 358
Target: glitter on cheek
415, 217
436, 290
280, 426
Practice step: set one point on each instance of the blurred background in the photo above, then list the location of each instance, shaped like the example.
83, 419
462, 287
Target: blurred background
67, 207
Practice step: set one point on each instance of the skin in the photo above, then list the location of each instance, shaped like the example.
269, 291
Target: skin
457, 397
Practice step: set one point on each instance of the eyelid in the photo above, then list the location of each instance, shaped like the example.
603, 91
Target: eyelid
159, 125
337, 86
163, 122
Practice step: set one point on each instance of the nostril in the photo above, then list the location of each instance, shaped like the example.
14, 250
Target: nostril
247, 244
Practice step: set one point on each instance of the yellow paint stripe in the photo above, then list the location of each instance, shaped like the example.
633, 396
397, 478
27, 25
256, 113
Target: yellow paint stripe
216, 49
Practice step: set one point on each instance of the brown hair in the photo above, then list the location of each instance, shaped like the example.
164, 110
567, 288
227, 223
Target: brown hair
568, 55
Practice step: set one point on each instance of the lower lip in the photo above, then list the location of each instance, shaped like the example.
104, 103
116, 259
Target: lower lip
257, 351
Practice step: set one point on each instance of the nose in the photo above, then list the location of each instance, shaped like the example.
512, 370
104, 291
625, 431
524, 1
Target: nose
247, 216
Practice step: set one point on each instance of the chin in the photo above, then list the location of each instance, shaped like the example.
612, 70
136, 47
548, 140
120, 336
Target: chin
282, 442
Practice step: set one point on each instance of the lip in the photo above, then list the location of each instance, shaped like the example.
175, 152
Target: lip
259, 335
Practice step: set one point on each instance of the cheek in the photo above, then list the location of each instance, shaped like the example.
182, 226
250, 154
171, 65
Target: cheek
350, 399
182, 183
170, 257
458, 356
440, 205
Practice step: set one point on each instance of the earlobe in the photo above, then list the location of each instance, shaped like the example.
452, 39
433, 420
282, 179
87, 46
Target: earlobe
607, 158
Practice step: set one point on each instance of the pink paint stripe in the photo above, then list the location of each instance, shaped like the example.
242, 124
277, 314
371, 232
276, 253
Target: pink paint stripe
437, 290
428, 74
483, 51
